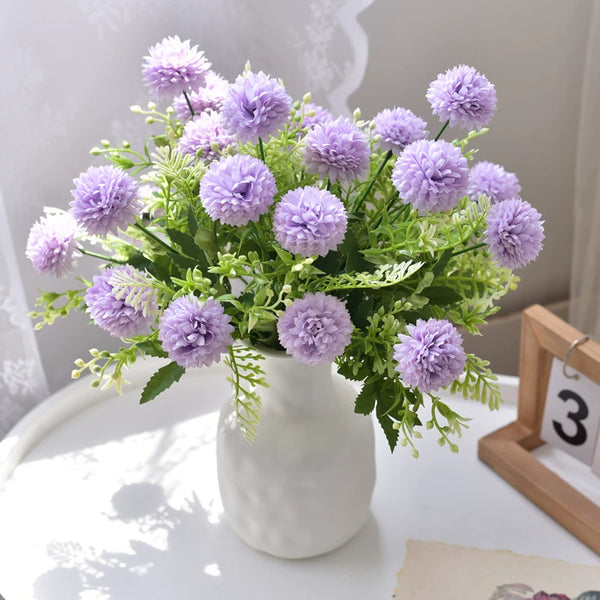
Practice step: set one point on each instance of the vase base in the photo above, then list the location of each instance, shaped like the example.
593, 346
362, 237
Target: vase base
288, 551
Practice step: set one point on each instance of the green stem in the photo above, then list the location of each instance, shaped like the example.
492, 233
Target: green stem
403, 210
361, 200
101, 256
258, 239
154, 237
469, 249
437, 137
261, 150
187, 99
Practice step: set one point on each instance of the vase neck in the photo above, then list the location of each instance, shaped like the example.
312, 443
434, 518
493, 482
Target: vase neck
295, 384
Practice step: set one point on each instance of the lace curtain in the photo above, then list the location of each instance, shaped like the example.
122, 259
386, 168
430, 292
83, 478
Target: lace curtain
74, 70
585, 275
22, 380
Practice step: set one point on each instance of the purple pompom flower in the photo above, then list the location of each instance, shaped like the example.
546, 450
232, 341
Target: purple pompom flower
309, 221
493, 181
338, 150
514, 233
398, 127
545, 596
104, 200
464, 97
173, 67
51, 245
204, 132
315, 328
208, 97
195, 334
122, 301
256, 106
314, 114
237, 189
431, 355
431, 175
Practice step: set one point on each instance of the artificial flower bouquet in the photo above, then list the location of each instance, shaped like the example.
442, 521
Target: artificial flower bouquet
252, 221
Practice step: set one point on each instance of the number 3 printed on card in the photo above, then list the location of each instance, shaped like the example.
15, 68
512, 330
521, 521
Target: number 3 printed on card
572, 413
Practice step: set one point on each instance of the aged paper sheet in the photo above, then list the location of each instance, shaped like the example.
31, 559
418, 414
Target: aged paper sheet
435, 570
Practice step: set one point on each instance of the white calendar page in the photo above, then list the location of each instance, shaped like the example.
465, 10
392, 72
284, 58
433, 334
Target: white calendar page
571, 417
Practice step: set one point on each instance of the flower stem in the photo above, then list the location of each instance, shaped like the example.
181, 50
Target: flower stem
403, 210
384, 162
259, 240
469, 249
189, 103
261, 150
101, 256
154, 237
437, 137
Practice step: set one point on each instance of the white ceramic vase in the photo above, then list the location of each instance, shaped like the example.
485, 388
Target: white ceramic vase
304, 486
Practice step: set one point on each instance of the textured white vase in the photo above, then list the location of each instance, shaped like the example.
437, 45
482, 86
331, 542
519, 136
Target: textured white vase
304, 486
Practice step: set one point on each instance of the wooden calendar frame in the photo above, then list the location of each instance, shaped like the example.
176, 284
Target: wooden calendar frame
507, 450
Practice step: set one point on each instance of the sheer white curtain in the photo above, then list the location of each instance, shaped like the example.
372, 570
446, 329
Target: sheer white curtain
71, 70
22, 380
585, 276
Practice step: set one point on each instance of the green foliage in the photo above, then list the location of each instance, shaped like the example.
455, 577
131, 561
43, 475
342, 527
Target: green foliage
393, 267
246, 374
56, 305
164, 378
478, 382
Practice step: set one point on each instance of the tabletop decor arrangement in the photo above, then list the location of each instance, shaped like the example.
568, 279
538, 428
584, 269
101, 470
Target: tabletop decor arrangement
272, 235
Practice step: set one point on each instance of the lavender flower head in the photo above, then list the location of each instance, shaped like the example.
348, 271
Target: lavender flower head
104, 200
51, 245
208, 97
315, 328
205, 132
514, 233
398, 127
464, 97
309, 221
338, 150
237, 189
314, 114
431, 175
256, 106
122, 301
173, 67
493, 181
195, 334
431, 355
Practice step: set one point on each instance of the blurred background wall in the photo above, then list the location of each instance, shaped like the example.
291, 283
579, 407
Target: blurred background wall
71, 69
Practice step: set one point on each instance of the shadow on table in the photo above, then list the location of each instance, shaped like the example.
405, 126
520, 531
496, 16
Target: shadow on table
177, 553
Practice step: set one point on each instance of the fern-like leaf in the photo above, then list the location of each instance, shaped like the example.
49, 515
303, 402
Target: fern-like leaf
246, 375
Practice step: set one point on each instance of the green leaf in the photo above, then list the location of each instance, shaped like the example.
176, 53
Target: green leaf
329, 264
360, 307
185, 241
284, 255
440, 265
164, 378
442, 296
139, 261
365, 401
391, 434
192, 221
161, 141
350, 248
152, 348
183, 261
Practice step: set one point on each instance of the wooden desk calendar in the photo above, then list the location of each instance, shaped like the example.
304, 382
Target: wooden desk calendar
507, 450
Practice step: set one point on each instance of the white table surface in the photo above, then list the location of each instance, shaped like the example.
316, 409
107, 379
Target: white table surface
120, 501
